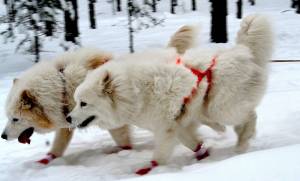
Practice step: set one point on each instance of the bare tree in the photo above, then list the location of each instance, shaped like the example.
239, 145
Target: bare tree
218, 21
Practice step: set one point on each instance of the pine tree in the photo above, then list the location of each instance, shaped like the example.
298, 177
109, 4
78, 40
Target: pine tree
32, 19
218, 21
194, 5
239, 5
92, 14
139, 18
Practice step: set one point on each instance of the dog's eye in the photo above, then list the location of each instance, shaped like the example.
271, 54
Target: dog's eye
15, 119
82, 104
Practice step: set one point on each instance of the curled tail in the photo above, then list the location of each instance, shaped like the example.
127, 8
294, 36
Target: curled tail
184, 38
256, 33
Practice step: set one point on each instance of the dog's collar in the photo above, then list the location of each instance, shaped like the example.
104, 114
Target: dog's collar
200, 75
65, 107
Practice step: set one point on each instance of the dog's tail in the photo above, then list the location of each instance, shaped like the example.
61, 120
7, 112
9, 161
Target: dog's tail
256, 33
184, 38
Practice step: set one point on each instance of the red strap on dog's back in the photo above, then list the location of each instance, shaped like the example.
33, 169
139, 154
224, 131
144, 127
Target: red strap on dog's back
200, 75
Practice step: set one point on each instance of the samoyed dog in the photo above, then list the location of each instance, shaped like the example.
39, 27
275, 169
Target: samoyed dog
42, 96
220, 87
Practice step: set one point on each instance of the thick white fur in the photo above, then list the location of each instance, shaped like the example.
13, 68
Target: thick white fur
150, 95
44, 82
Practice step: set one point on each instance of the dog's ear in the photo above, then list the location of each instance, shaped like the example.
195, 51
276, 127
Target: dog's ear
15, 80
27, 100
98, 60
107, 84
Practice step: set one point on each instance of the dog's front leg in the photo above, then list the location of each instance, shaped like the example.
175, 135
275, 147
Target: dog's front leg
61, 142
189, 138
122, 137
165, 142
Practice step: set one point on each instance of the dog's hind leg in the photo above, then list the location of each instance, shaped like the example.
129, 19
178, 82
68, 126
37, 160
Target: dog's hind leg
165, 141
61, 142
122, 137
245, 131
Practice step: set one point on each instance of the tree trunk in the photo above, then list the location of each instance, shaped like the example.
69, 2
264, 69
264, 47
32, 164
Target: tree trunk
119, 5
49, 28
153, 5
218, 21
298, 7
36, 46
239, 5
194, 5
130, 29
294, 4
71, 21
173, 4
92, 14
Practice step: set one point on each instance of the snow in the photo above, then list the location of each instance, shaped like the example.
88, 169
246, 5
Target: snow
273, 154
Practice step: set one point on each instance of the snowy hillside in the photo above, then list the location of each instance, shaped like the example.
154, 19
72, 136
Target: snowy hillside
273, 155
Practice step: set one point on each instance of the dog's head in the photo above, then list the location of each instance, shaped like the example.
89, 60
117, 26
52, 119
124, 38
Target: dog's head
25, 114
35, 101
95, 101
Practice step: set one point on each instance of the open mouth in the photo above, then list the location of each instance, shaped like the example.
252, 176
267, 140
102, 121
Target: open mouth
25, 135
86, 122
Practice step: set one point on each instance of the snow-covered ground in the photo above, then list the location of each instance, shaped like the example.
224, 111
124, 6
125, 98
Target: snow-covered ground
273, 155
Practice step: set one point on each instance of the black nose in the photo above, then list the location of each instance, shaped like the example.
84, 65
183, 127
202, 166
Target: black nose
4, 136
69, 119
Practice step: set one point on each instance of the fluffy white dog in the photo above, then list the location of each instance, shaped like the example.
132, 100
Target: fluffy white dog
42, 96
214, 87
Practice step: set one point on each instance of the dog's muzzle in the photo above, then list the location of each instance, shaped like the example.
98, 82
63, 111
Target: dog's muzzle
86, 122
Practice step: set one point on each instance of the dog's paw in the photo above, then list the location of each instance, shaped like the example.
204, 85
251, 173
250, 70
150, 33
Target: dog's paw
49, 157
241, 148
147, 169
201, 152
113, 150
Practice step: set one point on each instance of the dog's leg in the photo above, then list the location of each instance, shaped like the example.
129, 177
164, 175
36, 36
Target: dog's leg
61, 142
189, 138
122, 137
245, 131
165, 142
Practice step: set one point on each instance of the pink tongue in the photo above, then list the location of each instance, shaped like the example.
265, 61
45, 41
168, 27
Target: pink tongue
25, 136
24, 139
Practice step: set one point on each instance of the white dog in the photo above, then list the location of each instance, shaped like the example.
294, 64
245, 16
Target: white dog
42, 96
214, 87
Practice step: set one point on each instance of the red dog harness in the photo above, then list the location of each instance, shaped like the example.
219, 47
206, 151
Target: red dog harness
200, 75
